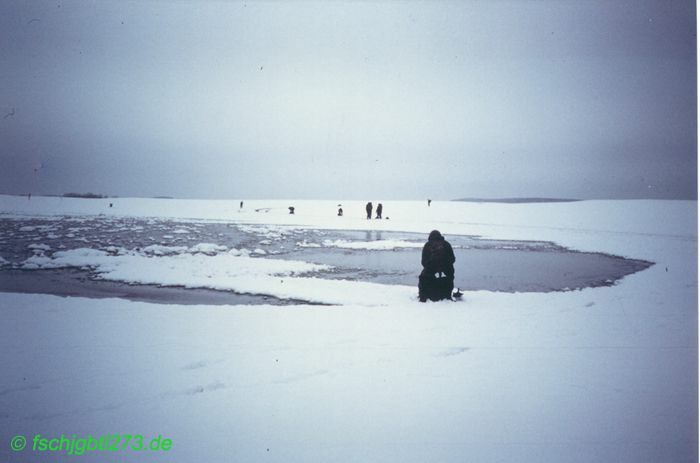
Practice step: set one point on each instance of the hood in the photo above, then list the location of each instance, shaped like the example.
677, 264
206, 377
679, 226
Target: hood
435, 236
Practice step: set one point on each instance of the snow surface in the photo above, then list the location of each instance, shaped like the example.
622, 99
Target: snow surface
604, 374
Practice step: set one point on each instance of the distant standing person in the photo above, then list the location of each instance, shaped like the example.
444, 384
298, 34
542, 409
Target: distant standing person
368, 208
241, 206
340, 212
379, 210
436, 281
429, 201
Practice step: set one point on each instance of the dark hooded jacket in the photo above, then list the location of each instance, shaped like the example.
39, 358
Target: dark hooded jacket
438, 255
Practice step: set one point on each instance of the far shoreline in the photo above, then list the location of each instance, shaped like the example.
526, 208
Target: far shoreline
511, 200
518, 200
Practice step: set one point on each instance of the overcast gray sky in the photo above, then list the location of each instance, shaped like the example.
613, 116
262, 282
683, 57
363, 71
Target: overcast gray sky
349, 100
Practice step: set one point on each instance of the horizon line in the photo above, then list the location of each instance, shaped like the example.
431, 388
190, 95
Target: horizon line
507, 200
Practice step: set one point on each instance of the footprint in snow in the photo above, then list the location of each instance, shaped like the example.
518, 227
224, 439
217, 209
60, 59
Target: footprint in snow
452, 351
201, 389
195, 365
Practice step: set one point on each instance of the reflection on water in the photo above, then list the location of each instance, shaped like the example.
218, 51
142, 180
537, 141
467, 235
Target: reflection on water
373, 235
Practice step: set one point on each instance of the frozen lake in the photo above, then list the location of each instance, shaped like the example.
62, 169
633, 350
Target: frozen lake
482, 264
524, 372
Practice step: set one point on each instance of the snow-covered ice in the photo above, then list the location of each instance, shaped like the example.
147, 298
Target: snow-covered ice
378, 244
601, 374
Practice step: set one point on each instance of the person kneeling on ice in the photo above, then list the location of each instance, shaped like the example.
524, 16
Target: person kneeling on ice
436, 281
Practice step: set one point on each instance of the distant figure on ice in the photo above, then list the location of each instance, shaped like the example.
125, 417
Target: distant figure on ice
436, 281
379, 210
291, 209
241, 206
429, 201
340, 211
368, 208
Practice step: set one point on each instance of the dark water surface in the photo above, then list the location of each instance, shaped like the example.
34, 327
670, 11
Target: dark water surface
512, 270
482, 264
